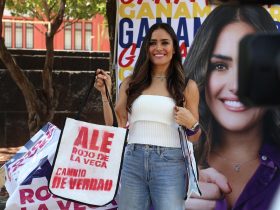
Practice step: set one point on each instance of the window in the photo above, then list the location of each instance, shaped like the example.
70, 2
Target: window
18, 35
67, 36
88, 37
8, 34
29, 36
78, 36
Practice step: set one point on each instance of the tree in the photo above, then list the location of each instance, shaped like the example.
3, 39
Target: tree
41, 104
111, 8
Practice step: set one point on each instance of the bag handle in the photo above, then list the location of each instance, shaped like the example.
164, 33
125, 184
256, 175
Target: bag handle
115, 122
187, 157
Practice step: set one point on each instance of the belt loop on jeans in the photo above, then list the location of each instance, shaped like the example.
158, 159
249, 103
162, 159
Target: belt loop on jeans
133, 147
158, 150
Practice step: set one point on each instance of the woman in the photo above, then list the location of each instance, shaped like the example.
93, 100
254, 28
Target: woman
154, 100
241, 143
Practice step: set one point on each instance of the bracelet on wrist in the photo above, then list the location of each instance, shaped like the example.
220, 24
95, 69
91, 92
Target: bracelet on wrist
193, 130
191, 133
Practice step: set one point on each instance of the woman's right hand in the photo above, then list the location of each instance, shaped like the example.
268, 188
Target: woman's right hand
102, 76
213, 186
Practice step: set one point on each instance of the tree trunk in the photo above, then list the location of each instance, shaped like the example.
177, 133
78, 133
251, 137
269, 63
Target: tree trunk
40, 105
51, 99
2, 7
34, 105
49, 94
111, 10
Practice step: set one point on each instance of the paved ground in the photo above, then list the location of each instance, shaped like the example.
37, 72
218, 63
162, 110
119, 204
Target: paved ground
5, 155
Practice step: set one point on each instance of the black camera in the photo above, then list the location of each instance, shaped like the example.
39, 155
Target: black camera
259, 70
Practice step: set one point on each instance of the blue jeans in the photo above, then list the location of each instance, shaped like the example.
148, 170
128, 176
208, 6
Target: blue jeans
152, 174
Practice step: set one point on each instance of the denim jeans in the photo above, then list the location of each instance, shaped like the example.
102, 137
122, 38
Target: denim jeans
152, 174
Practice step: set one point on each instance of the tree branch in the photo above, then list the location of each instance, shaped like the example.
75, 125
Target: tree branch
16, 73
59, 18
68, 23
52, 6
46, 9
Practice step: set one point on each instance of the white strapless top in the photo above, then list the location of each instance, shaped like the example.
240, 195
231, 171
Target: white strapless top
153, 108
152, 121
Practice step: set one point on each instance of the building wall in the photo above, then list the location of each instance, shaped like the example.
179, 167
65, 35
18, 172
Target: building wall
73, 73
99, 34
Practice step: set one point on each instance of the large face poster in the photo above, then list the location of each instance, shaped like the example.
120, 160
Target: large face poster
136, 16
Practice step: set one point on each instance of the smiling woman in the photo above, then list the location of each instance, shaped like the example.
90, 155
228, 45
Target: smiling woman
154, 101
160, 51
221, 90
242, 143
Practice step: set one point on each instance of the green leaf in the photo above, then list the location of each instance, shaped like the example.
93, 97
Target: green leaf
45, 9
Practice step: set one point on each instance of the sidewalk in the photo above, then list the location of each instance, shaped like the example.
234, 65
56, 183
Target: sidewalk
5, 155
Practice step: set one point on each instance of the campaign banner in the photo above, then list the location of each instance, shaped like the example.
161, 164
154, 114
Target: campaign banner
135, 17
88, 162
28, 171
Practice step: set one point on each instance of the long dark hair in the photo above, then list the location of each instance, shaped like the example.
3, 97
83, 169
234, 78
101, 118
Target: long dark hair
142, 74
196, 66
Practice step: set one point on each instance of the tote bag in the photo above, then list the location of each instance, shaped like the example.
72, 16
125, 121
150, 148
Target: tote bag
88, 161
190, 163
28, 171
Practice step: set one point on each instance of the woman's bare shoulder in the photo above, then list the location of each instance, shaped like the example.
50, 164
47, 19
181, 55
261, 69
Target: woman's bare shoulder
191, 88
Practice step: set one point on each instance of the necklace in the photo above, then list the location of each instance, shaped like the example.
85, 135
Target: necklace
161, 78
236, 166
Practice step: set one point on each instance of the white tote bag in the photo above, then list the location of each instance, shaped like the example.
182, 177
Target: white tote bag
88, 161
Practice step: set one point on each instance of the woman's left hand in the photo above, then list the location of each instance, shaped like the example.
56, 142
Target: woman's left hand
213, 186
184, 117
